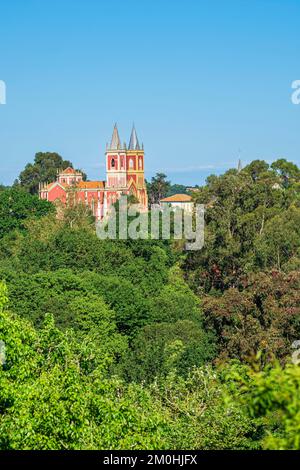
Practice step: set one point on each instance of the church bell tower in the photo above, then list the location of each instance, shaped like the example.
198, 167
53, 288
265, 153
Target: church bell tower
125, 169
116, 162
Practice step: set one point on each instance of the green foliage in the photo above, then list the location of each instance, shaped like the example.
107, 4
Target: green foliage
176, 189
51, 397
175, 301
55, 396
115, 344
251, 225
288, 171
204, 416
256, 168
17, 207
77, 215
161, 348
264, 317
43, 170
272, 396
158, 188
32, 296
279, 244
3, 296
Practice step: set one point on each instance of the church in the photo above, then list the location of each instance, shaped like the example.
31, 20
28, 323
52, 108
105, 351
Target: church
124, 176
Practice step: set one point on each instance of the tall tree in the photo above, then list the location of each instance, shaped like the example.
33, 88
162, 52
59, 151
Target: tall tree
256, 168
288, 171
43, 170
158, 188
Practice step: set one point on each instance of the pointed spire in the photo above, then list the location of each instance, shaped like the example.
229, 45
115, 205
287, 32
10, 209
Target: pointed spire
134, 142
240, 166
115, 140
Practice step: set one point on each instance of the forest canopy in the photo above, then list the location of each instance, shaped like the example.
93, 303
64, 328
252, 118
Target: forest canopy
118, 344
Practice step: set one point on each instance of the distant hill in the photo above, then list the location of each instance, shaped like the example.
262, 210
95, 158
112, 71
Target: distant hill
180, 189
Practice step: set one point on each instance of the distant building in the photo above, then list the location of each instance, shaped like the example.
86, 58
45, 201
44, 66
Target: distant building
182, 201
124, 176
192, 189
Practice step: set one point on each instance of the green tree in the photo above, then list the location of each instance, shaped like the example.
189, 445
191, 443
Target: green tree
17, 207
256, 168
162, 348
262, 315
42, 170
272, 397
158, 188
241, 208
176, 189
288, 171
54, 395
279, 244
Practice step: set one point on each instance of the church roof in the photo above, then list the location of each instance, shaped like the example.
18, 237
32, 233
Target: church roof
69, 171
91, 185
81, 185
134, 142
115, 143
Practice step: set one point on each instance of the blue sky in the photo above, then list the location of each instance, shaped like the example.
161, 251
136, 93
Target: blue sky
200, 79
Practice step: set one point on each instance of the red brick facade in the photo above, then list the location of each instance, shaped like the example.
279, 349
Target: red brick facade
124, 176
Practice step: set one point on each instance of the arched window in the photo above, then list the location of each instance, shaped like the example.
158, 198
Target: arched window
140, 163
113, 163
131, 163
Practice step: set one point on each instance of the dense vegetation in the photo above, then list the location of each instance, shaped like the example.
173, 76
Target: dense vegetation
42, 170
138, 344
159, 187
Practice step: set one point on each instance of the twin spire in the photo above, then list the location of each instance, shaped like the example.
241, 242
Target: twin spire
134, 141
116, 142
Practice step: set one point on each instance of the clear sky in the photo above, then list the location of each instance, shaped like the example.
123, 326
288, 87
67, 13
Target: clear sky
200, 79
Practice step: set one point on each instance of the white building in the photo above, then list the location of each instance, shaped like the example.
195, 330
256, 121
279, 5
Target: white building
182, 201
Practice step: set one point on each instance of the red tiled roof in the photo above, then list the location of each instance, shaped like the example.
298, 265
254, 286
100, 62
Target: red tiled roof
68, 171
91, 184
177, 198
80, 185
